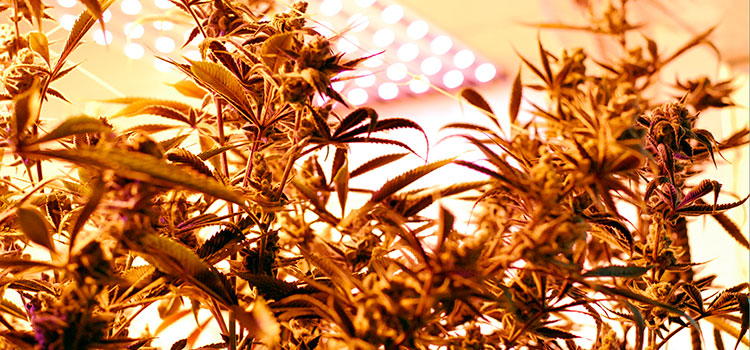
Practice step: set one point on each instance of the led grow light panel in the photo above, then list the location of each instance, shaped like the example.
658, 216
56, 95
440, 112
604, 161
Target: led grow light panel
412, 55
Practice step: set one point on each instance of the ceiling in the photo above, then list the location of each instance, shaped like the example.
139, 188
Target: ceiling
495, 28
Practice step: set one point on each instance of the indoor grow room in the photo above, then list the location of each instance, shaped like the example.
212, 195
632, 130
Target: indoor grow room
371, 174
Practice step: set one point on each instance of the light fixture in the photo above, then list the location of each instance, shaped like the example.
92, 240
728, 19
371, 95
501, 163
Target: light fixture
485, 72
441, 45
417, 30
463, 59
431, 65
417, 55
453, 79
388, 91
357, 96
392, 14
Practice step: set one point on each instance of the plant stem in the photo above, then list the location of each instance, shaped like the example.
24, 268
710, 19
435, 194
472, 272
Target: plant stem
249, 166
232, 331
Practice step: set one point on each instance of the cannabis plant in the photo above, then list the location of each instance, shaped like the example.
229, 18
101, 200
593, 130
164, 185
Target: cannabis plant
239, 203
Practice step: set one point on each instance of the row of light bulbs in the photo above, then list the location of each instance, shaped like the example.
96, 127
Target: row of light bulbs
434, 67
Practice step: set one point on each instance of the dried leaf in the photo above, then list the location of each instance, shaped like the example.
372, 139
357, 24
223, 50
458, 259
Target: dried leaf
38, 43
220, 80
189, 89
618, 271
73, 126
177, 260
35, 226
183, 156
516, 93
341, 178
143, 167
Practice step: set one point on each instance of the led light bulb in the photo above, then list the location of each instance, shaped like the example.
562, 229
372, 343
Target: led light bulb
103, 38
330, 7
440, 45
453, 79
134, 30
164, 44
365, 79
485, 72
431, 65
358, 22
408, 52
388, 91
67, 3
134, 51
383, 37
131, 7
357, 96
463, 59
417, 30
396, 71
67, 21
392, 14
419, 84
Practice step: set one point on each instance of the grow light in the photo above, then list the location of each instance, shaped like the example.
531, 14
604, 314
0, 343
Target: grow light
416, 54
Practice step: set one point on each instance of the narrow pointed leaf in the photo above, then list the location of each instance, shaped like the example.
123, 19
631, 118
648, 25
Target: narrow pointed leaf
516, 93
82, 25
701, 209
742, 301
376, 163
403, 180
